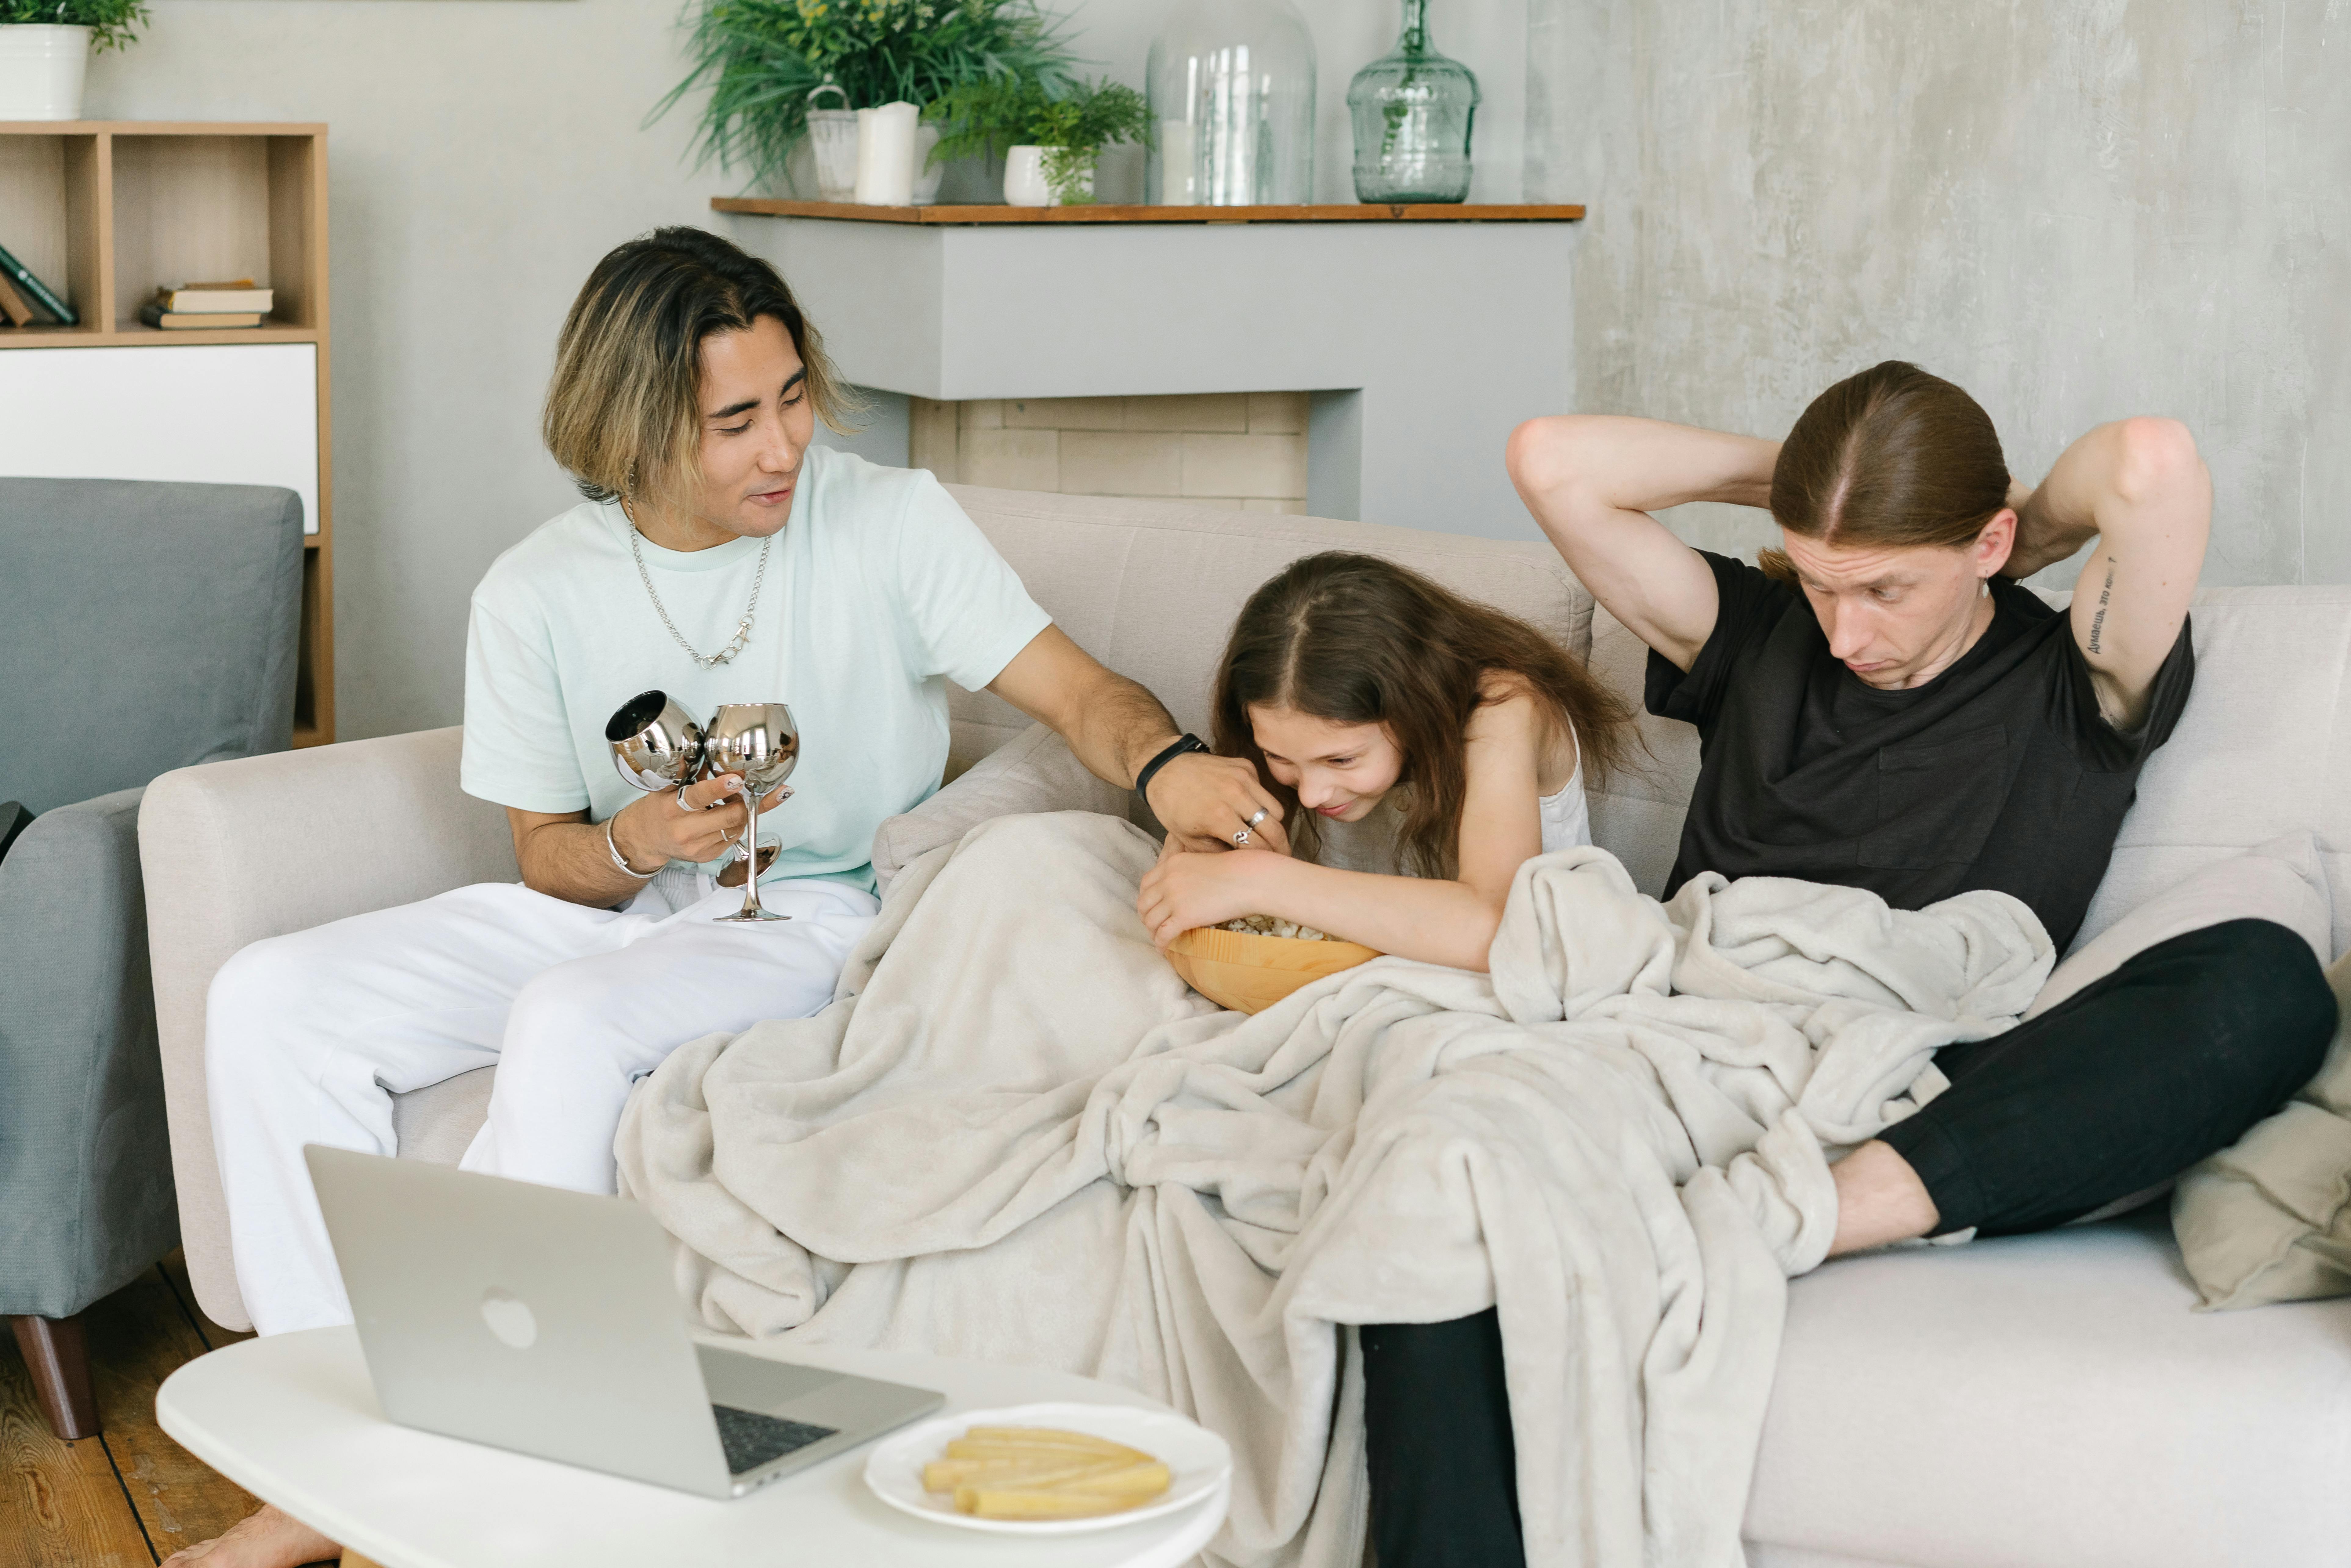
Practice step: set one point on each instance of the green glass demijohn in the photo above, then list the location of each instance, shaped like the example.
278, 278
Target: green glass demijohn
1413, 111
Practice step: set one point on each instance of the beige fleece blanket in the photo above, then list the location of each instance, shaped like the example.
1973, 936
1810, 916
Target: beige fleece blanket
1016, 1136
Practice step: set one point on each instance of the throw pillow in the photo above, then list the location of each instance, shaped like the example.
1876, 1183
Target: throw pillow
1034, 771
2281, 880
2269, 1220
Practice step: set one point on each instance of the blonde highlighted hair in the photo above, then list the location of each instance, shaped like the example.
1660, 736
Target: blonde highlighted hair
623, 409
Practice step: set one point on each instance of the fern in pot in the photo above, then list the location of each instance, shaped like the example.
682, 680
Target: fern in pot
45, 49
762, 60
1049, 139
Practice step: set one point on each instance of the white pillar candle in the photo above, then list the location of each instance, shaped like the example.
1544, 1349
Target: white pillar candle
885, 155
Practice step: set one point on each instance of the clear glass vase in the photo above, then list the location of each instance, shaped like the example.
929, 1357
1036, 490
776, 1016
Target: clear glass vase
1414, 112
1231, 85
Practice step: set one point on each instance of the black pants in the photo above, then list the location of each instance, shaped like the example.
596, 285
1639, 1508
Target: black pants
2135, 1078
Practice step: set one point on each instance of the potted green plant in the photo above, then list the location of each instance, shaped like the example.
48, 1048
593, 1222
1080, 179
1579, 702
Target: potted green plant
763, 59
45, 49
1050, 139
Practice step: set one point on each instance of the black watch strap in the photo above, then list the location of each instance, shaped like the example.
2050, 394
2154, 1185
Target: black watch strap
1143, 779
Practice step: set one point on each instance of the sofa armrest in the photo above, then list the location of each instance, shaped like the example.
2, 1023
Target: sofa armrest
234, 852
85, 1179
1034, 771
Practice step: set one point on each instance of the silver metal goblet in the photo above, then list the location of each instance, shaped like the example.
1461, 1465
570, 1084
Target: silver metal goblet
760, 742
655, 745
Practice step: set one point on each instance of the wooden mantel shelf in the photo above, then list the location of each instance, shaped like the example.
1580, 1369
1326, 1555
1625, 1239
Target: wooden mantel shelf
1350, 212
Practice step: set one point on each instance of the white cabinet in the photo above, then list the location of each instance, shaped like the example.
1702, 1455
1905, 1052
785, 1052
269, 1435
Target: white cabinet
228, 414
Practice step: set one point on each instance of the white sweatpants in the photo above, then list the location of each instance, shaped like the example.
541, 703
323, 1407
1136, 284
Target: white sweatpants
308, 1036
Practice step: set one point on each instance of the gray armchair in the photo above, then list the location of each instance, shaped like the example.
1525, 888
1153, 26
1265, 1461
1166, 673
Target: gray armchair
143, 627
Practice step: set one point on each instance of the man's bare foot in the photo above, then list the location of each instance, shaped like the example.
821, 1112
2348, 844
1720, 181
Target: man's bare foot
269, 1538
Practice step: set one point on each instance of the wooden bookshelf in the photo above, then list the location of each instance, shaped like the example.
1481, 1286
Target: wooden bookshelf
105, 211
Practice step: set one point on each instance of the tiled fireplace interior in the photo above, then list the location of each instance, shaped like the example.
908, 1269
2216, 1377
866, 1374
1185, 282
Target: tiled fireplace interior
1246, 451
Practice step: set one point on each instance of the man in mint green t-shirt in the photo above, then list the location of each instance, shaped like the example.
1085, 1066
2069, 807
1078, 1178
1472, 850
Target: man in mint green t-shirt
720, 557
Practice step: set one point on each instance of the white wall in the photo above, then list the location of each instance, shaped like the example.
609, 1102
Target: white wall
482, 155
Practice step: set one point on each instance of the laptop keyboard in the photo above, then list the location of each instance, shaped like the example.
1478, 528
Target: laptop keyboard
752, 1439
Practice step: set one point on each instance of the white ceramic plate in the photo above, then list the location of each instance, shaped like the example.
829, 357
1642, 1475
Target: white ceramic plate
1198, 1458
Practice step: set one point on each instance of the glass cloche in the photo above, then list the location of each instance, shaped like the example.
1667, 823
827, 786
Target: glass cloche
1231, 85
1414, 112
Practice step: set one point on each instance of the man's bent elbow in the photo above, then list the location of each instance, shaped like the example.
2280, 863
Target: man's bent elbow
1541, 456
2154, 456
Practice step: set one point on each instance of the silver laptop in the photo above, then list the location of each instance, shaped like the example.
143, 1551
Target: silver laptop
544, 1321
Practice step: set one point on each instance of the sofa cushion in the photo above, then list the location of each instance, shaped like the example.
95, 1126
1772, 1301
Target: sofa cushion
2050, 1402
2280, 881
2269, 1219
1151, 588
1637, 816
1034, 771
2264, 749
437, 1122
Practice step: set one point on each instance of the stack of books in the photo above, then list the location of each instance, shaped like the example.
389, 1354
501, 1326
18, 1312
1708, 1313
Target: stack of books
178, 307
25, 299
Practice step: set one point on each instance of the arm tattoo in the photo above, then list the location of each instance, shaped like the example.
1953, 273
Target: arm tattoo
2106, 597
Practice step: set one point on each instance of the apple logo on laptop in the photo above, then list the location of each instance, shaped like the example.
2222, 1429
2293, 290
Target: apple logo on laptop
508, 1318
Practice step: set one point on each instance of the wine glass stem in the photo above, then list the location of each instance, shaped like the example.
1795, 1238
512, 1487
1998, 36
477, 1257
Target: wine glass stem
751, 852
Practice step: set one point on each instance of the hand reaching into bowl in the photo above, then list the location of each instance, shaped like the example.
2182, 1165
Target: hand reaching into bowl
1186, 889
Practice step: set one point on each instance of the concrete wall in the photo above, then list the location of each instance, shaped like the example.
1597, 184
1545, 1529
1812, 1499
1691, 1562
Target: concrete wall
482, 156
2078, 209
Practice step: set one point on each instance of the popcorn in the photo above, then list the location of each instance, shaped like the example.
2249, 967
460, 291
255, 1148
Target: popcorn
1269, 925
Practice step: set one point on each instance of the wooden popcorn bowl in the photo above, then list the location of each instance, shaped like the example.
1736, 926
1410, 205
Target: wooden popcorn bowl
1247, 973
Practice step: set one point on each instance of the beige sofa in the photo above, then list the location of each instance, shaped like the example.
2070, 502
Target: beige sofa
2043, 1401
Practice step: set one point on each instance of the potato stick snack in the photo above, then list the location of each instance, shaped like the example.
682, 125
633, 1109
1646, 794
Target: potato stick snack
1042, 1473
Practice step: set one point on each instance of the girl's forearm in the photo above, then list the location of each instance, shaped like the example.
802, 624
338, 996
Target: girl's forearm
1413, 917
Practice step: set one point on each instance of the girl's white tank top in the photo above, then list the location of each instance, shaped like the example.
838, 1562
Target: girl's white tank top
1567, 816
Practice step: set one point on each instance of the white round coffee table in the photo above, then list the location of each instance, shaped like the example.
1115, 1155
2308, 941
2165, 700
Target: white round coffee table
293, 1419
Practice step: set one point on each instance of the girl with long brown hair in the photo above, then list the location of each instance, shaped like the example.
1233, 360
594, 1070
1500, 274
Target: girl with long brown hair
1352, 683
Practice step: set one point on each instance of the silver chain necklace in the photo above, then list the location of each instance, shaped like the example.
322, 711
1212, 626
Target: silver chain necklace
742, 627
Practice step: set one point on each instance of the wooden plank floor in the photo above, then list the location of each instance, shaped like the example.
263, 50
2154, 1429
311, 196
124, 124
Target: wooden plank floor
130, 1496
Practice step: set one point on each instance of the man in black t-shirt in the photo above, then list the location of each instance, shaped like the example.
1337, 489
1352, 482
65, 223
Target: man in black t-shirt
1882, 705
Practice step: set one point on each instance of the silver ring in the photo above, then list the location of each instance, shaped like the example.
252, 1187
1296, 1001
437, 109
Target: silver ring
1240, 838
683, 803
1258, 817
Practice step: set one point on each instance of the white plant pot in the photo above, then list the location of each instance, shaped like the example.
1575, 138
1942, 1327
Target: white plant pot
41, 70
1024, 178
